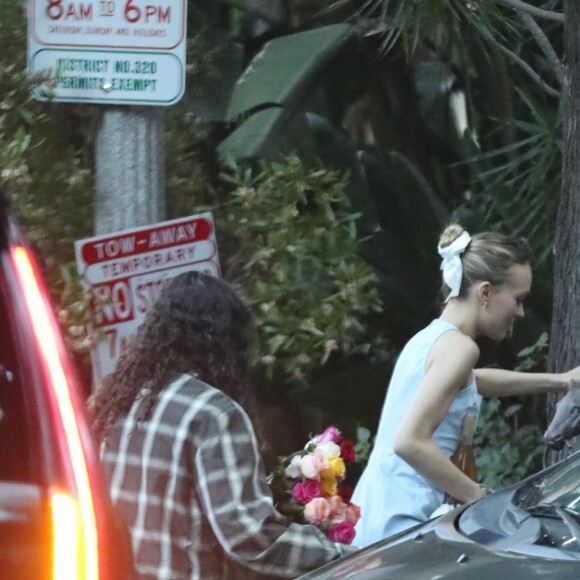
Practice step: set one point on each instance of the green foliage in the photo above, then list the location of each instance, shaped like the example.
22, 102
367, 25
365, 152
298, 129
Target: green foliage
505, 451
517, 182
509, 142
297, 263
188, 182
409, 23
534, 357
81, 334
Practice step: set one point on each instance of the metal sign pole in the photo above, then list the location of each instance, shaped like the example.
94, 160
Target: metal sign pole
130, 168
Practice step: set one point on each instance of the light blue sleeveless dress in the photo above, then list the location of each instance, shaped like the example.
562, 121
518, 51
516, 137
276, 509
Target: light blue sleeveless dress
391, 494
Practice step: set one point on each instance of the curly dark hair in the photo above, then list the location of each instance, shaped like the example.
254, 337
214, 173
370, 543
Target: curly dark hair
198, 325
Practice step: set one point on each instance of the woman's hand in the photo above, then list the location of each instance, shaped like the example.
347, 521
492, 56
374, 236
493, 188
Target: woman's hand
571, 377
486, 490
479, 492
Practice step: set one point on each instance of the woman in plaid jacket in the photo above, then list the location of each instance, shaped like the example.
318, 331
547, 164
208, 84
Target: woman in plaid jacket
181, 453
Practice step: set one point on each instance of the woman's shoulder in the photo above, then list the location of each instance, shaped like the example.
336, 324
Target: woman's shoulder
456, 345
188, 395
434, 330
202, 408
440, 330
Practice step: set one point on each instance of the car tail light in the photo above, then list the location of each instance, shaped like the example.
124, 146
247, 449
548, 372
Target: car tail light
65, 534
75, 536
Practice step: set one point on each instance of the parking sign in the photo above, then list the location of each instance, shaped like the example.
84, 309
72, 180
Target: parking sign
109, 51
126, 270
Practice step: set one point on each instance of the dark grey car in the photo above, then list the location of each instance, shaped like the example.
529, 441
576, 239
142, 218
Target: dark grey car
529, 530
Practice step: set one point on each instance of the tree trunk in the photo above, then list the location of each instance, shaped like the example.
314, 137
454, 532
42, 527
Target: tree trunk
565, 341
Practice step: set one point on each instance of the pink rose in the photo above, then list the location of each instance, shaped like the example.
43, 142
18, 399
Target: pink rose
342, 532
304, 491
337, 507
316, 510
353, 513
329, 434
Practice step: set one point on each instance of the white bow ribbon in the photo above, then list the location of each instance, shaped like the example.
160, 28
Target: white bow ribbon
451, 265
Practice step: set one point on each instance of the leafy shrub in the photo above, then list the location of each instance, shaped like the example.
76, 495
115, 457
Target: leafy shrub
503, 454
297, 263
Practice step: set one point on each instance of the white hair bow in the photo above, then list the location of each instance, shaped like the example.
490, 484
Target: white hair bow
451, 265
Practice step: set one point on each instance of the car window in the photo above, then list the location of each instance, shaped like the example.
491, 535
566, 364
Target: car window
15, 458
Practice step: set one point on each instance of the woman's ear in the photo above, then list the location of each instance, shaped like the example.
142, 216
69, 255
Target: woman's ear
484, 293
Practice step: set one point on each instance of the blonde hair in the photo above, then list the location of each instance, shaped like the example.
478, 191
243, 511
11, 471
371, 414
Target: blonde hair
488, 256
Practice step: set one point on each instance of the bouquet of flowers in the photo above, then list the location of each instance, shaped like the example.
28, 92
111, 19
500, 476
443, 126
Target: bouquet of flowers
309, 485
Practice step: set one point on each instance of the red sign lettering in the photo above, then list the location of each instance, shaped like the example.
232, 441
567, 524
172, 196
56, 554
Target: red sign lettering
146, 240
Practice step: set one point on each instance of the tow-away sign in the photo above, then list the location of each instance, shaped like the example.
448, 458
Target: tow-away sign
125, 271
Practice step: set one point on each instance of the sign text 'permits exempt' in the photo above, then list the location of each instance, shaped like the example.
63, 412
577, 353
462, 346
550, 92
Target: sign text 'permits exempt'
128, 52
125, 271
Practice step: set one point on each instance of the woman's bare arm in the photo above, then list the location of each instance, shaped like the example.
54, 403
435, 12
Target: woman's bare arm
503, 383
449, 370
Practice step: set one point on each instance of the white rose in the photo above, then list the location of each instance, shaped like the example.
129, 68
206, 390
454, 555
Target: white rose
293, 469
329, 448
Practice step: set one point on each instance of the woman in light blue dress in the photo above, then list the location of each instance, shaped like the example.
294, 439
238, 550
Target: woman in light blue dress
434, 386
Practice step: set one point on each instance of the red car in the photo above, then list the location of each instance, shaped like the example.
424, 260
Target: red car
56, 518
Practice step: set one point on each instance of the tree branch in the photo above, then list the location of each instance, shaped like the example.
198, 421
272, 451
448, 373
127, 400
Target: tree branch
545, 45
529, 71
532, 10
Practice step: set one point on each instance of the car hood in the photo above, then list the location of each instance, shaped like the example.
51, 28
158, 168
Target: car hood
437, 550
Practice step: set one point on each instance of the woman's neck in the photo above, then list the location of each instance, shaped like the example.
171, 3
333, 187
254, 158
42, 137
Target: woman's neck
462, 314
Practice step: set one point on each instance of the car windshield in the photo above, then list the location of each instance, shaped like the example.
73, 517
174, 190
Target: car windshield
541, 513
558, 487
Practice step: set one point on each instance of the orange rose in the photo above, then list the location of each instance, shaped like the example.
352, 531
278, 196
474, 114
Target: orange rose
353, 513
